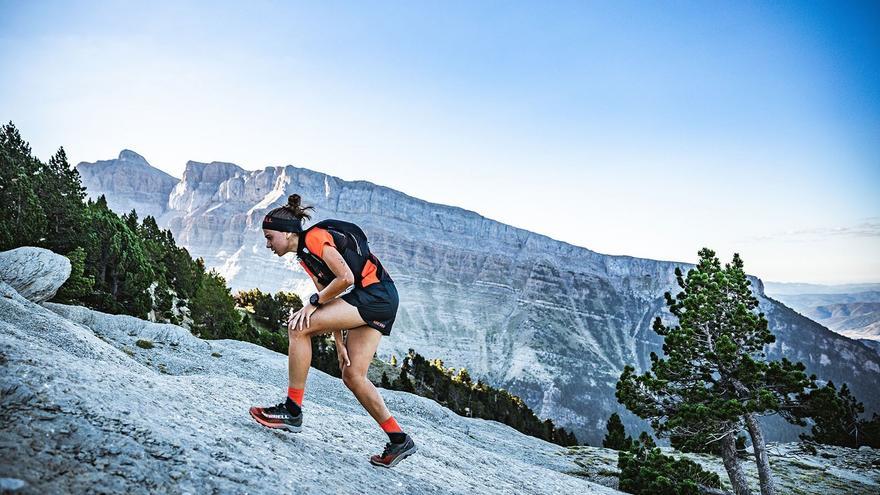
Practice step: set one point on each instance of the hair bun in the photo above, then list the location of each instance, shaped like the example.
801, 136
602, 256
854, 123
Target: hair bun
292, 210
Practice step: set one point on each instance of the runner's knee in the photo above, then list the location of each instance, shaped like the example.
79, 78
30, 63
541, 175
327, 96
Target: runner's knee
351, 378
297, 334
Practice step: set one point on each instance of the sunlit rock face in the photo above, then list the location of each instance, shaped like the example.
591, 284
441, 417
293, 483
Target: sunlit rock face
129, 183
551, 322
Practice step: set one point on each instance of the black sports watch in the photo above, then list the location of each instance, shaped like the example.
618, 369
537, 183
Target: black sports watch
314, 300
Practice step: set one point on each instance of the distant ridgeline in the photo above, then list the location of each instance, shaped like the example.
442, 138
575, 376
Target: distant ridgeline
122, 266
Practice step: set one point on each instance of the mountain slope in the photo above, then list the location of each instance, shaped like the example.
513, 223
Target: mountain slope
552, 322
87, 406
86, 409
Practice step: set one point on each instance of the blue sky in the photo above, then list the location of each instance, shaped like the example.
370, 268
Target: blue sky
636, 128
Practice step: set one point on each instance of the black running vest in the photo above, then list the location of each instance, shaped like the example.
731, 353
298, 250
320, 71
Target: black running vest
352, 244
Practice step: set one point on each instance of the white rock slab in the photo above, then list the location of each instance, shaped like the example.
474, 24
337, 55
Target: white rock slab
33, 272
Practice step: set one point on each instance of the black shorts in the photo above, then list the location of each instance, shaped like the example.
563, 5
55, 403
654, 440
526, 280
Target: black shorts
377, 304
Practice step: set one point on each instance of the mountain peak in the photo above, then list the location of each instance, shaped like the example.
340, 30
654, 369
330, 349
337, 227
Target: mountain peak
215, 164
214, 172
129, 156
128, 182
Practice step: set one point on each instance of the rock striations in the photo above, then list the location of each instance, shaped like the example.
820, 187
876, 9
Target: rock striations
85, 409
39, 278
552, 322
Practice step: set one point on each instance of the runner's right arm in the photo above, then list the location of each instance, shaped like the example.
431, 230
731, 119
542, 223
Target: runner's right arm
317, 284
337, 334
338, 337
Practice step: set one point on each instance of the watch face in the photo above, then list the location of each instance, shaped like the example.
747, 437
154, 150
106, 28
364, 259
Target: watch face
314, 300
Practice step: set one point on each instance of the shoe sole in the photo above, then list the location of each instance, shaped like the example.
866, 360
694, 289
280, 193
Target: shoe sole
276, 426
397, 459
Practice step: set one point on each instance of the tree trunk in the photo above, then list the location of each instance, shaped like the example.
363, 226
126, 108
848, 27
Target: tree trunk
760, 446
731, 464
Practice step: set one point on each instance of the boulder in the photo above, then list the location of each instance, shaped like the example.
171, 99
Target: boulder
36, 273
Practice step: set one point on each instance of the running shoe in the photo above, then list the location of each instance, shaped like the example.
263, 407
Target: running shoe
394, 453
278, 416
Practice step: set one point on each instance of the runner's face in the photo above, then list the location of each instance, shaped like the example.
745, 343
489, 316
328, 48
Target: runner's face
280, 243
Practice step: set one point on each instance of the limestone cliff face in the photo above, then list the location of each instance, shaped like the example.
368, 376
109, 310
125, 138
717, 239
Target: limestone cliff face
552, 322
128, 182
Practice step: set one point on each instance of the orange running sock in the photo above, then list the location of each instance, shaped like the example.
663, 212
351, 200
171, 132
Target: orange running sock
390, 427
296, 395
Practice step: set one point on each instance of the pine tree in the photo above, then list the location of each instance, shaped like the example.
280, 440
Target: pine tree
714, 378
463, 377
131, 219
117, 259
645, 470
871, 430
213, 309
61, 198
23, 221
403, 382
616, 437
836, 417
245, 298
170, 264
78, 285
268, 310
385, 383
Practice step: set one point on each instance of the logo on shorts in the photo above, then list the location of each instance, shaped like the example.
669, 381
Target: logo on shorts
378, 324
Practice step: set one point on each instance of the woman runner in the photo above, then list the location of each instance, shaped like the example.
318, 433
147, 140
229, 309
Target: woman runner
335, 255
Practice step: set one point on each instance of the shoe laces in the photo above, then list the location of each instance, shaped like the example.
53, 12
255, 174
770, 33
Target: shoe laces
280, 408
388, 447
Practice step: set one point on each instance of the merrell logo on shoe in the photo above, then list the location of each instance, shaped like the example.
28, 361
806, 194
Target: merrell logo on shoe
378, 324
275, 416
